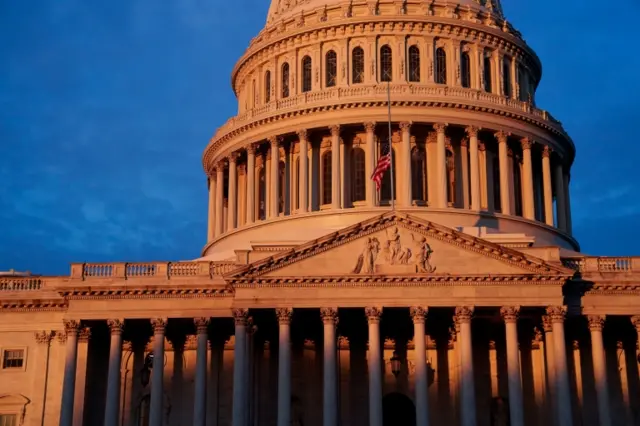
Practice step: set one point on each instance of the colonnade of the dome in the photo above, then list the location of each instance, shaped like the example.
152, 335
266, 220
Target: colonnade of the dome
436, 166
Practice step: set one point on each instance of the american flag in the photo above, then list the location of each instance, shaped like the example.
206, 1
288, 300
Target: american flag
384, 162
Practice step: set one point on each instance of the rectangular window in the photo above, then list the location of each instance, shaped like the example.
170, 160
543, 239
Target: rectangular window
12, 358
8, 420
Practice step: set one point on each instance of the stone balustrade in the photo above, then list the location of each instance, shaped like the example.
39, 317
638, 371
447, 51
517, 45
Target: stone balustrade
13, 284
603, 264
168, 270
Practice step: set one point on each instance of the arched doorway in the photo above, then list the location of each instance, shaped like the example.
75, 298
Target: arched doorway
398, 410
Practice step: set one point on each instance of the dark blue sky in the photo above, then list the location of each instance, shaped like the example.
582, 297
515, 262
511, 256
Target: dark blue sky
105, 108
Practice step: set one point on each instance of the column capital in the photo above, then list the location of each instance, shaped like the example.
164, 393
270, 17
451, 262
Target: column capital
440, 128
546, 151
302, 134
463, 314
233, 157
537, 335
635, 320
335, 130
546, 324
373, 314
464, 142
405, 126
284, 315
509, 152
158, 325
274, 140
116, 325
510, 313
220, 164
370, 126
251, 148
43, 337
502, 136
71, 327
482, 147
472, 131
201, 324
418, 314
556, 313
240, 316
329, 315
596, 322
525, 143
84, 335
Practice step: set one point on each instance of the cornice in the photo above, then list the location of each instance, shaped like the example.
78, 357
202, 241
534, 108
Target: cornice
433, 280
144, 292
34, 305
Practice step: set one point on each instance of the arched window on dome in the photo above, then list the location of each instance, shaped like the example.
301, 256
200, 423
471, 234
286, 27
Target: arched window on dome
296, 193
358, 175
326, 177
451, 176
144, 411
282, 186
357, 65
267, 87
285, 80
488, 74
465, 70
386, 63
385, 187
331, 68
306, 74
522, 84
418, 174
254, 94
414, 64
517, 185
441, 66
506, 77
496, 183
262, 193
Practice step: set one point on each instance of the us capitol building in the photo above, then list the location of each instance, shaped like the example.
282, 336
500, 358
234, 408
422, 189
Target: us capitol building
319, 300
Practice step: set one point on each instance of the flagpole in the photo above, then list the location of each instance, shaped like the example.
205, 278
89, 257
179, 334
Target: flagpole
393, 195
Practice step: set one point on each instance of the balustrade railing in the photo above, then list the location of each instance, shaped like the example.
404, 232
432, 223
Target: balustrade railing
166, 270
11, 284
603, 264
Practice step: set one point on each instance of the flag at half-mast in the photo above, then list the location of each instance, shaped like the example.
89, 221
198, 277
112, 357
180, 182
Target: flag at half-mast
384, 162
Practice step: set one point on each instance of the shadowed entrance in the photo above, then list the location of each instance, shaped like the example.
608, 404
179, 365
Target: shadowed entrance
398, 410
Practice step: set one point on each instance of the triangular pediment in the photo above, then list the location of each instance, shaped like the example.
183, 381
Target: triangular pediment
396, 244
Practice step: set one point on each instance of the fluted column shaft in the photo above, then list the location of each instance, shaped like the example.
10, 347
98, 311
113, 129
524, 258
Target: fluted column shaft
239, 410
546, 186
211, 210
563, 391
503, 158
284, 366
219, 198
561, 209
370, 163
527, 169
335, 167
464, 172
516, 409
251, 184
274, 206
200, 386
69, 380
596, 322
567, 203
112, 405
441, 159
375, 367
474, 167
405, 174
467, 388
329, 388
418, 315
303, 176
156, 412
233, 193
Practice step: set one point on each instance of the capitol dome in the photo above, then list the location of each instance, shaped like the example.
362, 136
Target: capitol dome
472, 150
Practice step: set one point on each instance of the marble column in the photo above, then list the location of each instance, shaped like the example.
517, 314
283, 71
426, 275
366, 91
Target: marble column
200, 386
284, 365
274, 193
441, 166
211, 209
43, 339
474, 167
561, 211
546, 186
529, 211
550, 370
503, 158
464, 171
375, 366
418, 314
219, 198
156, 410
232, 218
596, 323
69, 382
81, 375
303, 175
335, 167
239, 364
370, 163
467, 385
516, 409
404, 174
330, 387
563, 391
567, 202
635, 320
251, 184
112, 405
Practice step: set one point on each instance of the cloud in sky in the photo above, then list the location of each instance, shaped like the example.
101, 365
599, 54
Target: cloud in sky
105, 109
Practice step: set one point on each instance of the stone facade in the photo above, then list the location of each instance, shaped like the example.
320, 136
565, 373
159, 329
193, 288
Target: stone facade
455, 294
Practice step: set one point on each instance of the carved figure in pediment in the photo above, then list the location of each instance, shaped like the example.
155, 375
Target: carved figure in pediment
394, 252
367, 259
423, 255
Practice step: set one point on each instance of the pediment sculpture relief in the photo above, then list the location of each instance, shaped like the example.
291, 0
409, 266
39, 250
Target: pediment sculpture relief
393, 256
